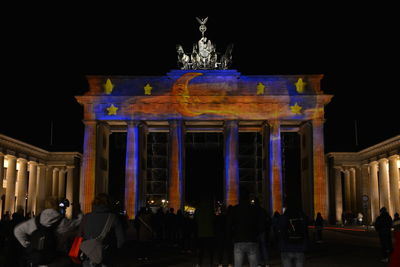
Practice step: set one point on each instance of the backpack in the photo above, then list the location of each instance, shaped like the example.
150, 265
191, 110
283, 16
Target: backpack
43, 243
296, 229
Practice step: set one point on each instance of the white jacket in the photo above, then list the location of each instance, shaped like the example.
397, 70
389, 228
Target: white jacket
47, 217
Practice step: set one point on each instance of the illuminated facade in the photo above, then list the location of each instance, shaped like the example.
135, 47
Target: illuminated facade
214, 101
365, 181
29, 175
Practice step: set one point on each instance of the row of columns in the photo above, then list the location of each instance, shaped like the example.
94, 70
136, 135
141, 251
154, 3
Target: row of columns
380, 184
44, 181
175, 190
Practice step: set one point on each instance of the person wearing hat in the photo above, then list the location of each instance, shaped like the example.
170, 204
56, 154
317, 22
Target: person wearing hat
383, 225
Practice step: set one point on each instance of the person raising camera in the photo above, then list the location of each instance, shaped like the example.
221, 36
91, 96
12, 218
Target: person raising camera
44, 236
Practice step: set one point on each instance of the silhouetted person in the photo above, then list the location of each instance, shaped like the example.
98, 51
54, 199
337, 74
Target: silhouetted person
220, 234
383, 225
264, 232
245, 225
275, 227
170, 227
319, 225
179, 227
93, 224
204, 217
395, 257
158, 224
293, 233
143, 222
12, 248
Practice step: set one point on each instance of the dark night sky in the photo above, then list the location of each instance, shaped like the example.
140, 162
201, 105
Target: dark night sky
48, 55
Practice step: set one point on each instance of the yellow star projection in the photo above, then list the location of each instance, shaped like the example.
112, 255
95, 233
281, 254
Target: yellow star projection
260, 88
296, 109
300, 85
112, 110
108, 87
147, 89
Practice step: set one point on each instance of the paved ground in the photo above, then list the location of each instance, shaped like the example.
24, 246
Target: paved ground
340, 248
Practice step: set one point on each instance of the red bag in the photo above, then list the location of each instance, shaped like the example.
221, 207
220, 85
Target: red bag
74, 252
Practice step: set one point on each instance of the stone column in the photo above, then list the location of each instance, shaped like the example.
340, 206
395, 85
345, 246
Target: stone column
366, 191
61, 184
1, 168
320, 191
32, 187
48, 181
276, 166
41, 187
10, 190
22, 183
338, 194
70, 191
347, 190
384, 195
88, 174
374, 190
353, 190
394, 183
175, 190
56, 178
231, 136
132, 170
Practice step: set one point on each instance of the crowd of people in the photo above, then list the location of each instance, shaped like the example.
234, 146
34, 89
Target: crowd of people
217, 236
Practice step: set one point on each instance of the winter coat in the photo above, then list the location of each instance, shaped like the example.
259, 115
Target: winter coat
383, 223
245, 223
285, 245
94, 222
47, 218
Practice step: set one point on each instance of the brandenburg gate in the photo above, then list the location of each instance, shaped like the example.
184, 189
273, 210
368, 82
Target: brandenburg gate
205, 96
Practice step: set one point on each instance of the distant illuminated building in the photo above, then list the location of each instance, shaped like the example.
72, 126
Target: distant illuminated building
29, 175
204, 97
365, 181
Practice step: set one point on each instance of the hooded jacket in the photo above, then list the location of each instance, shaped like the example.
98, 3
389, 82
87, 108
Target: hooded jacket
47, 218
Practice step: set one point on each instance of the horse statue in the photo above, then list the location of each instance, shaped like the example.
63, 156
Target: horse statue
226, 59
183, 59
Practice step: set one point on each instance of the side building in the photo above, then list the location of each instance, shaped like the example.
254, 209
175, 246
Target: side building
30, 174
365, 181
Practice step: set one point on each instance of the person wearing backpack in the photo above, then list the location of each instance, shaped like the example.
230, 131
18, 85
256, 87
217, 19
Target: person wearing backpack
293, 232
102, 224
43, 236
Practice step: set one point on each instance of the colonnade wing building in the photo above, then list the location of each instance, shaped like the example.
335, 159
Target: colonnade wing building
365, 181
29, 175
187, 102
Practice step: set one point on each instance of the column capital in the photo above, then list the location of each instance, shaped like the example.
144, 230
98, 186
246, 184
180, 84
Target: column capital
383, 160
339, 168
133, 123
318, 121
9, 156
90, 122
70, 167
33, 163
373, 163
394, 157
22, 160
